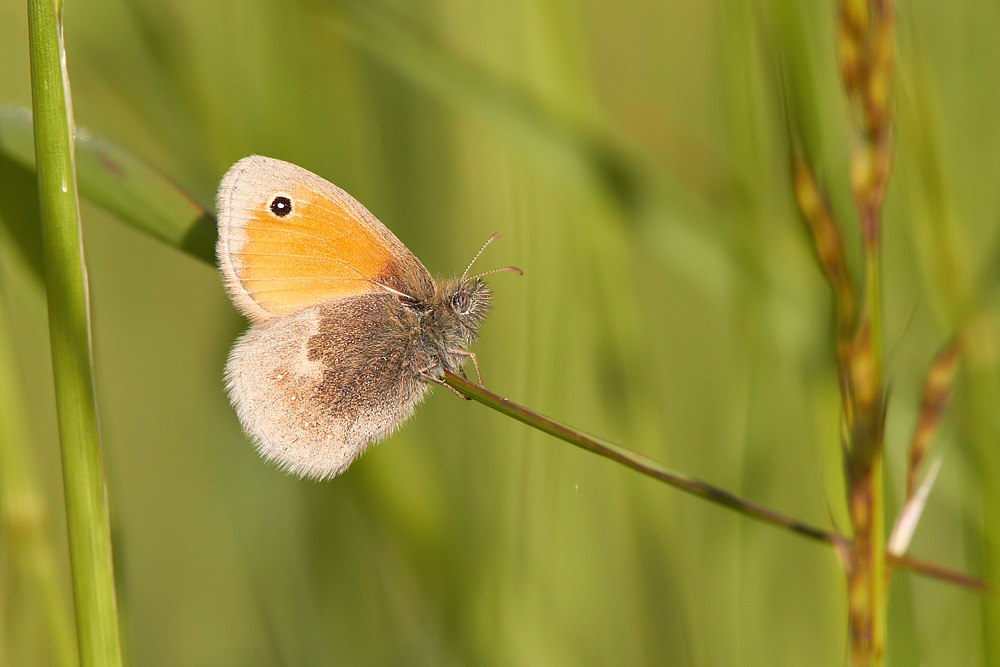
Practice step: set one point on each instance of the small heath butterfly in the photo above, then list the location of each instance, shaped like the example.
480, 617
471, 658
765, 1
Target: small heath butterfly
349, 329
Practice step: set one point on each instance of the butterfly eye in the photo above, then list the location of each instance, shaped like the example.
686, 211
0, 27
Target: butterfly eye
462, 302
281, 206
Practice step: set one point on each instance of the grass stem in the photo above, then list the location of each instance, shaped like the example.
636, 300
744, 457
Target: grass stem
696, 487
87, 519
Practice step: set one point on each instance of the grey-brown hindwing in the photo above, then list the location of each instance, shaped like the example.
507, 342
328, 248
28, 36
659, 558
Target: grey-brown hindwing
316, 387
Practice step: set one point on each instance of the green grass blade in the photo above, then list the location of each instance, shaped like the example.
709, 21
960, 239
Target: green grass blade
69, 327
122, 184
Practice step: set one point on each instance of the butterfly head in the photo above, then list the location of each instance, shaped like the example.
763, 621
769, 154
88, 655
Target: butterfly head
468, 297
468, 300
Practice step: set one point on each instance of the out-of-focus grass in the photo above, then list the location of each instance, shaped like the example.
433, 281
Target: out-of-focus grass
697, 318
25, 515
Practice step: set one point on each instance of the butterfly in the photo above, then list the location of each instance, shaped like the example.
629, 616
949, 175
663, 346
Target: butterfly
349, 330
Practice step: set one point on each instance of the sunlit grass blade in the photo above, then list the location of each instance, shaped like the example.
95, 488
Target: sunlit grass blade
909, 516
69, 326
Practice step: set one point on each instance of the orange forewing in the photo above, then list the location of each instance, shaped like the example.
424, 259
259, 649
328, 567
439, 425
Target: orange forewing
317, 253
328, 247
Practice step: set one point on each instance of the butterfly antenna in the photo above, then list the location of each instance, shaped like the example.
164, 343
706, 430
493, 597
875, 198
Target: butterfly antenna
488, 241
506, 268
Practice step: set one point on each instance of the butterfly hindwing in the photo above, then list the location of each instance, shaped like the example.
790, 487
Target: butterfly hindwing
316, 387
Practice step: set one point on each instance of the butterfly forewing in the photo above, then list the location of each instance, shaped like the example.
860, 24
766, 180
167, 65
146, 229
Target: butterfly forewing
289, 239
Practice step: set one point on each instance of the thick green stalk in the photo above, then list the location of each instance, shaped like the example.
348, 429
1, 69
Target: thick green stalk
69, 329
879, 584
869, 452
866, 566
866, 55
866, 583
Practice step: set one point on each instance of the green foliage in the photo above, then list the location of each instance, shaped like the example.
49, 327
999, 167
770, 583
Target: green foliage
635, 158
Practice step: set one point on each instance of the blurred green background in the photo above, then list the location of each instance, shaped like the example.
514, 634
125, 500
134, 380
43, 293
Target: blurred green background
635, 158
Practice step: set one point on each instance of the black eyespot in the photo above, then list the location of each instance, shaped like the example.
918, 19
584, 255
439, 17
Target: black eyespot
462, 302
281, 206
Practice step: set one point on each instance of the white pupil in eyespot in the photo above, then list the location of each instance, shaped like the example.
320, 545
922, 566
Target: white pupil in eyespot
281, 206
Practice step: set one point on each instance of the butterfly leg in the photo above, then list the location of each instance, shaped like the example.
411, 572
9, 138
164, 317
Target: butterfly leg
471, 355
430, 378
